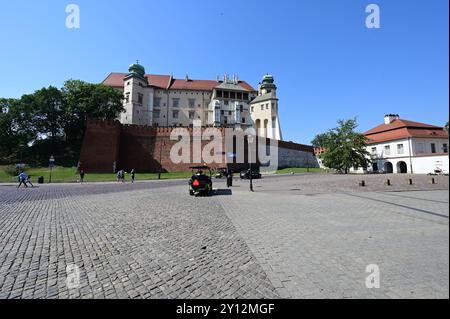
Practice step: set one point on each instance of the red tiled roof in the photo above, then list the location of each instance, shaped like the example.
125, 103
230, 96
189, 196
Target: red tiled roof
162, 81
197, 85
399, 129
116, 80
399, 124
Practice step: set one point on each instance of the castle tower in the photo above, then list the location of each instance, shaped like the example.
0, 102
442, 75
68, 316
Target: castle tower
264, 110
138, 97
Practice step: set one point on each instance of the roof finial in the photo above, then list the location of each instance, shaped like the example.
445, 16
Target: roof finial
137, 61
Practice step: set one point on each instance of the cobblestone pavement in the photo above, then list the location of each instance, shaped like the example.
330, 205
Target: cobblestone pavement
152, 240
146, 243
318, 246
334, 183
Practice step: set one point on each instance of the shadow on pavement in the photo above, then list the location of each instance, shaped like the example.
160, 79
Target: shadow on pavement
223, 192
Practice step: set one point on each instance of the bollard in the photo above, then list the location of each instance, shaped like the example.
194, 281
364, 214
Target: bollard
388, 182
362, 183
410, 181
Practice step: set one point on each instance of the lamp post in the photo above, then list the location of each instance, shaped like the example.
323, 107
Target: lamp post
51, 165
250, 142
161, 144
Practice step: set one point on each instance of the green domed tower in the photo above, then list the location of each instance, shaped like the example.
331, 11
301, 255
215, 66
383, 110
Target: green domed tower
136, 70
267, 85
264, 110
138, 97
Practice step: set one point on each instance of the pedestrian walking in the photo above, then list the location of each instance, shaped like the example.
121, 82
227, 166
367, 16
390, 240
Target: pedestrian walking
121, 176
23, 179
81, 176
230, 178
133, 175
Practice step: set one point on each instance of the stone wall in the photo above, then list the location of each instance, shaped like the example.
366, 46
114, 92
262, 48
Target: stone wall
109, 146
288, 157
101, 144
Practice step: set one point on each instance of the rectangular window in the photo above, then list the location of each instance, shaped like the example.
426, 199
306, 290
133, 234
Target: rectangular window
226, 102
433, 148
445, 148
175, 102
219, 94
156, 114
273, 106
387, 150
267, 106
420, 148
127, 98
245, 97
233, 95
400, 149
140, 98
374, 151
239, 96
243, 120
157, 102
191, 103
253, 109
191, 115
226, 94
175, 114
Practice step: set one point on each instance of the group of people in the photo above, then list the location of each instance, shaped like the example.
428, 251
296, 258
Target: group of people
121, 176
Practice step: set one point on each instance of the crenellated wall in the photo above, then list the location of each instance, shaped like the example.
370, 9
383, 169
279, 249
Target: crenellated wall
109, 146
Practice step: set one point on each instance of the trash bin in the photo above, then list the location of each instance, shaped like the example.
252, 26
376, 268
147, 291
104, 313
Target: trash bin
41, 180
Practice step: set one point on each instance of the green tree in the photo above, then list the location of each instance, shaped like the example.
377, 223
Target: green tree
52, 121
320, 140
47, 105
85, 100
345, 148
16, 128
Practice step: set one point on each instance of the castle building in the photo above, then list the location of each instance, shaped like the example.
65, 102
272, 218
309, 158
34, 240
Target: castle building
163, 101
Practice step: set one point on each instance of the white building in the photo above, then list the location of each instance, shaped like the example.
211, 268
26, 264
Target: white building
401, 146
264, 110
162, 100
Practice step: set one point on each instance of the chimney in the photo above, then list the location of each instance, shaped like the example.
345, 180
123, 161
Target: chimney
389, 118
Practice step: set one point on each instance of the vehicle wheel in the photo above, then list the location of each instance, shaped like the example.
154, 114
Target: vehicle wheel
191, 192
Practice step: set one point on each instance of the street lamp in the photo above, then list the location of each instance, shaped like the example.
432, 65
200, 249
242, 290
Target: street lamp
161, 144
51, 165
250, 142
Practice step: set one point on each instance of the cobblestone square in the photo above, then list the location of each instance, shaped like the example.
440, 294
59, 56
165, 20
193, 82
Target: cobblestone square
303, 236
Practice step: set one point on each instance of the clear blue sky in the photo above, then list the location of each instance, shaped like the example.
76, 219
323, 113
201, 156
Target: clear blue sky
326, 63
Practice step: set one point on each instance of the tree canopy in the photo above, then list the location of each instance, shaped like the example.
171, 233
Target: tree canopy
344, 147
52, 121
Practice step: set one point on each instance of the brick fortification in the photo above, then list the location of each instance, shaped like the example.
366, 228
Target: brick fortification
109, 146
